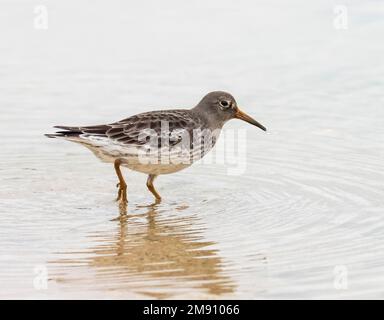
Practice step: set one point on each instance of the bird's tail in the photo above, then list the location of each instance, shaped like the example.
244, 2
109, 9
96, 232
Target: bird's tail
66, 132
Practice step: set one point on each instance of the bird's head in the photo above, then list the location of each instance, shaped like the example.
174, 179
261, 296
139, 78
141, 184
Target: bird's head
221, 106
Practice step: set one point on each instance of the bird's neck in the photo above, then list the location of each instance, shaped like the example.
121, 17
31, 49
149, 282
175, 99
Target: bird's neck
208, 118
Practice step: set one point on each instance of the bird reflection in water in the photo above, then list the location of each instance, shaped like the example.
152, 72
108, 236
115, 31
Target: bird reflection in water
160, 253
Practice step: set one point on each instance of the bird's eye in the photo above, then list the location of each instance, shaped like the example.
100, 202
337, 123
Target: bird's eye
225, 104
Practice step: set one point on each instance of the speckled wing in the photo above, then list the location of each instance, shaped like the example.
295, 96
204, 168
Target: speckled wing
135, 130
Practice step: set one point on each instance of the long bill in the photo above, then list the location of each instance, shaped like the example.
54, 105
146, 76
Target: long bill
243, 116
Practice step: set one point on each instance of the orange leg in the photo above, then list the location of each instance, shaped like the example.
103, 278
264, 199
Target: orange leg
122, 193
151, 187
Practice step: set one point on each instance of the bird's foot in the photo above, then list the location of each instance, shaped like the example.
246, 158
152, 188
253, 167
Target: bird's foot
122, 193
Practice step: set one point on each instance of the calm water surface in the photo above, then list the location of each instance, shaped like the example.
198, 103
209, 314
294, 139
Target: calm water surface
304, 220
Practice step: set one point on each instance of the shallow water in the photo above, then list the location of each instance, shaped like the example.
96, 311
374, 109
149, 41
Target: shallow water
304, 219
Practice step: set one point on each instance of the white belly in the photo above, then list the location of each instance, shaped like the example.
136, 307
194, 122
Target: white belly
142, 158
162, 163
156, 169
